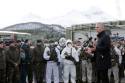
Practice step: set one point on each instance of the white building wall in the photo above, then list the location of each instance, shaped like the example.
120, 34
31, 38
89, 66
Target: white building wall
81, 34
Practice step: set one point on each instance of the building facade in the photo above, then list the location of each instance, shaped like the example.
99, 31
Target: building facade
83, 31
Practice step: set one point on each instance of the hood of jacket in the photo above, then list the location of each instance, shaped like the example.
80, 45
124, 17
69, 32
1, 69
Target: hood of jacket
68, 41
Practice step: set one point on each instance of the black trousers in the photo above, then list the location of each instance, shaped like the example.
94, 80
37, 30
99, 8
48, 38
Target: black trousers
102, 76
26, 70
39, 71
78, 72
12, 74
2, 76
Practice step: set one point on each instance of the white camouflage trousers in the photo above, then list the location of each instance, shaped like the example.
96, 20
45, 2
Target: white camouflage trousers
115, 71
86, 71
52, 69
69, 71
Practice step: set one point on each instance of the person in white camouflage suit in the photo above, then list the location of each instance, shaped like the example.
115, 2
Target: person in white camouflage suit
70, 58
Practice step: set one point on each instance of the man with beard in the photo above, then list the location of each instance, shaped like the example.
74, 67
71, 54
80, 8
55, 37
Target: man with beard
2, 64
38, 61
13, 61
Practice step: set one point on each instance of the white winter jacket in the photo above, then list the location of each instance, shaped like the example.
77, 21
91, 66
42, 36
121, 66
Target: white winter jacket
73, 53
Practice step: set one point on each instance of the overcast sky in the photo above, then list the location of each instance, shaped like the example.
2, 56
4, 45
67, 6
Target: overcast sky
15, 11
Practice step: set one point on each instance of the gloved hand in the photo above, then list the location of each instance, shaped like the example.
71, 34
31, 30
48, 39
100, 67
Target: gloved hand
48, 53
76, 63
56, 60
66, 53
68, 57
58, 63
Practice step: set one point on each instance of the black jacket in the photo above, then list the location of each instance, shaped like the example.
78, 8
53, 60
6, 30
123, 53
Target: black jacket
12, 56
103, 57
27, 51
2, 59
37, 55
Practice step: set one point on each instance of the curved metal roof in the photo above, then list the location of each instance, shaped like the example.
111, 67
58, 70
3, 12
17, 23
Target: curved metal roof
13, 32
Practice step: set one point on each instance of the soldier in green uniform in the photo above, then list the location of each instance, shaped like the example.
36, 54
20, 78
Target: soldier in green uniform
2, 64
13, 61
38, 61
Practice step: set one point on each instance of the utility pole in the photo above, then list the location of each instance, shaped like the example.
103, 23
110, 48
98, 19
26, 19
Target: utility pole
72, 34
89, 31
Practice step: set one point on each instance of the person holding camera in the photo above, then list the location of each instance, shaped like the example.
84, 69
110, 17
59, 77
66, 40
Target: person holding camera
86, 60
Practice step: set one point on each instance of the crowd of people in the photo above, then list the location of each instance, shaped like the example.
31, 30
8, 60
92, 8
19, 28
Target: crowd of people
96, 60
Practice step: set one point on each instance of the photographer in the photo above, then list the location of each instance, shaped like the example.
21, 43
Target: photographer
86, 60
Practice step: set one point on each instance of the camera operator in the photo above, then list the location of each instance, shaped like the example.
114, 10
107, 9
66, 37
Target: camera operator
86, 61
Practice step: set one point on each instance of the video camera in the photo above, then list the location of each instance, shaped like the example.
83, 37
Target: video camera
87, 43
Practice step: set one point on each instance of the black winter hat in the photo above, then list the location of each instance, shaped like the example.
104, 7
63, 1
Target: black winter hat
1, 42
39, 41
26, 41
7, 43
10, 42
18, 41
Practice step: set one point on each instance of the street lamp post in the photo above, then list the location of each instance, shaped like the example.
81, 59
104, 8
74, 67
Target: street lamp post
72, 34
90, 31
